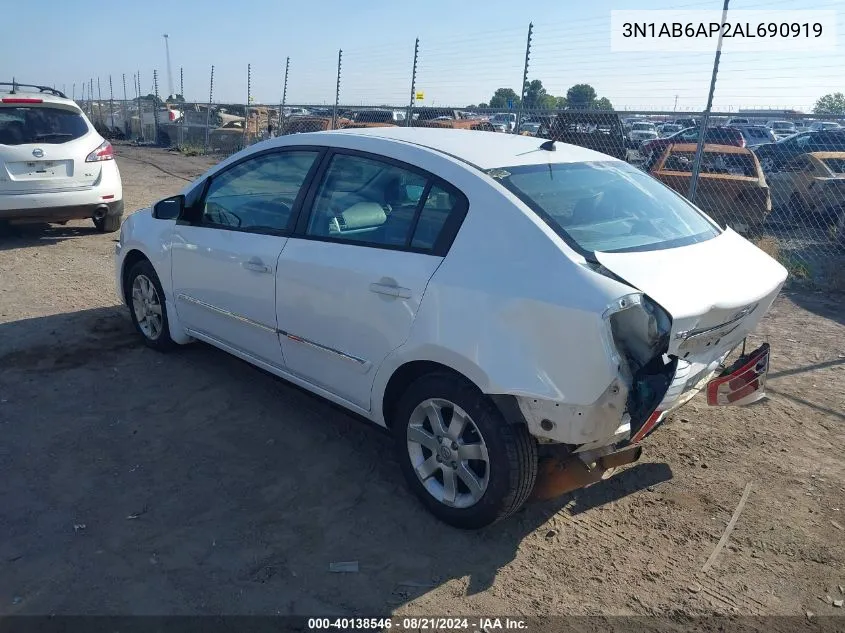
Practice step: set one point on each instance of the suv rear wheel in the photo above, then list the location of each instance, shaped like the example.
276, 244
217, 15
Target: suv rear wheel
467, 465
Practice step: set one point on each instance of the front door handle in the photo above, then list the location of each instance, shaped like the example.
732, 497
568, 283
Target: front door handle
257, 266
391, 291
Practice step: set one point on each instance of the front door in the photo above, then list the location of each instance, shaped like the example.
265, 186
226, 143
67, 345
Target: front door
352, 278
225, 257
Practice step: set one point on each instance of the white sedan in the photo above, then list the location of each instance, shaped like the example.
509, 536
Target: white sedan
494, 300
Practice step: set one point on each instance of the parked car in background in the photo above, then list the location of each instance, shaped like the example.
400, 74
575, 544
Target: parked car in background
54, 166
773, 156
738, 121
756, 134
731, 186
686, 122
529, 127
782, 129
667, 129
506, 120
718, 135
641, 131
600, 131
347, 262
811, 185
822, 126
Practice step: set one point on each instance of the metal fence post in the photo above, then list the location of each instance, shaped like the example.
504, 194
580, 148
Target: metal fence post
182, 94
126, 128
284, 95
699, 150
155, 107
91, 97
111, 103
524, 78
208, 110
99, 103
337, 89
248, 99
413, 83
141, 134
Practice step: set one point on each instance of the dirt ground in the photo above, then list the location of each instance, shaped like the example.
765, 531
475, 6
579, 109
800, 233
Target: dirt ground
192, 483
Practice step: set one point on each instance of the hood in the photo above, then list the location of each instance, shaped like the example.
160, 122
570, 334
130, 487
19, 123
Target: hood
715, 291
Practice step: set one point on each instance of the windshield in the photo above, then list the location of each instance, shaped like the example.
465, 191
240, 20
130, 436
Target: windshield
40, 124
783, 125
607, 206
648, 127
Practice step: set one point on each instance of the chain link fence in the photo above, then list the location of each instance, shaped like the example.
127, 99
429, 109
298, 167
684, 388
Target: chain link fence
775, 174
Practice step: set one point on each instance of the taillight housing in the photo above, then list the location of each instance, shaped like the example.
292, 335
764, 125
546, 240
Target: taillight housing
22, 100
172, 115
103, 152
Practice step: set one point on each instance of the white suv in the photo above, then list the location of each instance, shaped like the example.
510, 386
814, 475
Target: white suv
54, 166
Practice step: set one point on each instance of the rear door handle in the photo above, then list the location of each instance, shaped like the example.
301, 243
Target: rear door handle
391, 290
256, 265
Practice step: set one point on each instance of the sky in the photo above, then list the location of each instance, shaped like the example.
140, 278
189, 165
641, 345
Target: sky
467, 50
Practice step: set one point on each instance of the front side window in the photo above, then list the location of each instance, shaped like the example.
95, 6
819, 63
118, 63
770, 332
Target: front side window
259, 193
607, 206
40, 124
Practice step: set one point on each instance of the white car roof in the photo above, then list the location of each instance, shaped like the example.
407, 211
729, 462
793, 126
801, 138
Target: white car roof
482, 149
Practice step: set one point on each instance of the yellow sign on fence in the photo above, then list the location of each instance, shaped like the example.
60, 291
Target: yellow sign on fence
419, 96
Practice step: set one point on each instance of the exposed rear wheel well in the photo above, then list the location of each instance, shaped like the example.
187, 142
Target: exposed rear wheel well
409, 372
132, 258
404, 376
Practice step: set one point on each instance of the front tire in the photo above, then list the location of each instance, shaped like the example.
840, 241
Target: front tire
464, 461
147, 306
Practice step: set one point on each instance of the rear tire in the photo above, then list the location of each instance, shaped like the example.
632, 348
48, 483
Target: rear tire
468, 474
108, 223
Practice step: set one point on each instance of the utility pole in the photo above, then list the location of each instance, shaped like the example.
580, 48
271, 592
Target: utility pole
413, 83
169, 69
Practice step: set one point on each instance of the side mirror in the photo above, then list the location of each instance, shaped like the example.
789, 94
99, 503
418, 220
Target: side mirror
169, 208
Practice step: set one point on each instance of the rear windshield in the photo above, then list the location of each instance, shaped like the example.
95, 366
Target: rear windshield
642, 126
712, 163
783, 125
607, 206
38, 124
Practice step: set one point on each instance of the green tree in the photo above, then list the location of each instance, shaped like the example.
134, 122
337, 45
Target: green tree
603, 104
535, 94
580, 96
833, 103
176, 99
561, 103
501, 97
482, 106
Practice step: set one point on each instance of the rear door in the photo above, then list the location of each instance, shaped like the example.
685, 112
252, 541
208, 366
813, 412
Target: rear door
350, 281
43, 147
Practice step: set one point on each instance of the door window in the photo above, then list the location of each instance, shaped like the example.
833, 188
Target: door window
259, 193
375, 203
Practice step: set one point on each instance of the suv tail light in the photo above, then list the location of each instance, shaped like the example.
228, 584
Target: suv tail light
172, 115
22, 100
103, 152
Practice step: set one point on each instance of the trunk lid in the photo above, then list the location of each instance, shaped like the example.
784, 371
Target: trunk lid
43, 147
715, 291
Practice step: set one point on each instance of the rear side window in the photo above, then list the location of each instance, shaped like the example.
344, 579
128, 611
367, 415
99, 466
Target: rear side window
370, 202
39, 124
